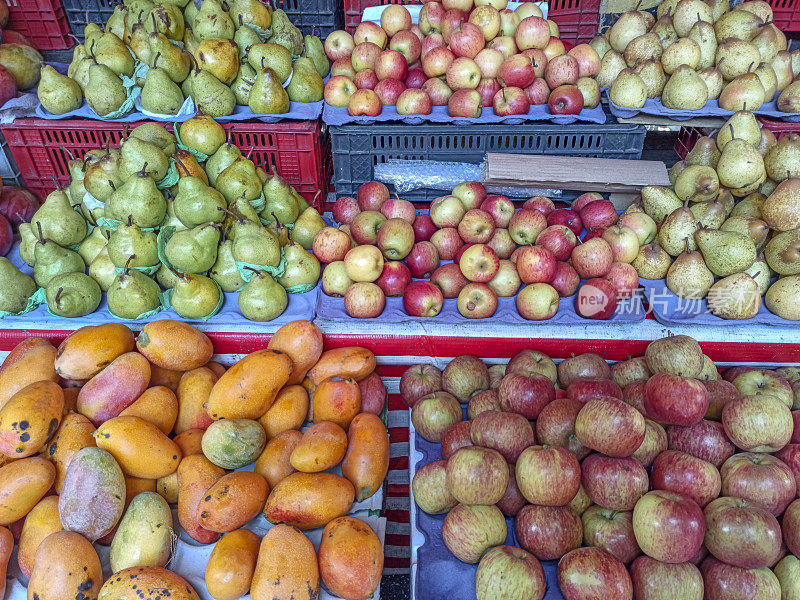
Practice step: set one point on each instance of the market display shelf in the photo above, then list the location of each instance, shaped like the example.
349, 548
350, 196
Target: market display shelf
296, 150
357, 149
43, 22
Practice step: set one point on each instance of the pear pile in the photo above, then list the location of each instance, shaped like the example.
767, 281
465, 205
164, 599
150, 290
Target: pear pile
696, 51
222, 55
114, 230
729, 225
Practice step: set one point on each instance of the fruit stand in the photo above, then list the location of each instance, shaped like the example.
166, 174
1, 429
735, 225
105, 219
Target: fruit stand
471, 299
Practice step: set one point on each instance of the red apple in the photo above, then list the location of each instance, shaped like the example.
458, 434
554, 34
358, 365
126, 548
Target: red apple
500, 208
555, 426
588, 60
705, 440
526, 395
364, 103
566, 217
559, 239
720, 392
365, 226
487, 19
471, 194
600, 214
532, 32
592, 258
447, 242
477, 475
460, 252
654, 443
436, 61
548, 532
365, 56
397, 208
504, 44
373, 394
364, 300
562, 70
414, 102
395, 18
408, 44
565, 279
487, 89
438, 91
790, 454
526, 225
536, 264
394, 278
513, 500
565, 100
465, 103
516, 71
449, 279
423, 260
18, 205
483, 401
584, 199
338, 90
418, 381
339, 44
791, 527
430, 18
6, 236
633, 394
612, 531
389, 91
430, 42
456, 437
538, 93
511, 101
422, 299
655, 579
537, 302
741, 534
479, 263
507, 433
343, 66
366, 79
610, 426
685, 474
548, 476
592, 573
624, 278
669, 527
613, 483
502, 244
723, 582
532, 362
368, 31
761, 479
675, 400
591, 388
463, 74
454, 17
582, 366
391, 65
541, 203
539, 61
597, 299
466, 40
330, 244
416, 78
424, 227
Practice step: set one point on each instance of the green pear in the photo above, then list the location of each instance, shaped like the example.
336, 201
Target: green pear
782, 161
783, 299
155, 134
697, 183
193, 250
104, 93
741, 168
57, 93
743, 93
160, 94
139, 200
196, 203
302, 267
166, 278
57, 221
94, 244
137, 155
116, 22
271, 56
23, 62
245, 38
285, 33
306, 227
102, 177
131, 294
254, 244
166, 18
704, 152
711, 213
688, 276
129, 245
194, 296
221, 160
281, 205
139, 43
203, 133
742, 125
262, 299
659, 201
306, 85
685, 90
783, 253
250, 12
16, 288
628, 90
73, 295
212, 96
239, 180
138, 12
110, 51
243, 84
677, 231
267, 96
316, 52
780, 209
27, 243
749, 206
212, 22
725, 252
50, 260
734, 297
224, 271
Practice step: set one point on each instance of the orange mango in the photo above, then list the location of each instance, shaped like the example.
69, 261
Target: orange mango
139, 447
66, 567
74, 433
309, 500
232, 501
193, 391
336, 400
196, 474
30, 418
40, 522
174, 345
274, 463
89, 350
30, 361
367, 459
22, 484
350, 558
349, 362
158, 405
289, 411
150, 582
302, 341
287, 567
322, 447
231, 565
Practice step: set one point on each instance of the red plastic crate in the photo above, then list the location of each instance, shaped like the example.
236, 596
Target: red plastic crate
780, 128
577, 19
687, 138
299, 151
786, 14
43, 22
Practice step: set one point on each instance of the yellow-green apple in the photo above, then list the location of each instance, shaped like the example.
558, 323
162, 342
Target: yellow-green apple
365, 226
338, 90
471, 194
438, 90
395, 18
504, 44
367, 31
537, 302
506, 282
365, 56
548, 476
509, 20
678, 354
434, 413
430, 18
610, 426
364, 300
507, 570
414, 102
791, 527
612, 531
477, 475
526, 225
465, 103
430, 489
642, 224
408, 44
477, 301
476, 227
654, 443
479, 263
502, 243
363, 263
758, 423
469, 531
788, 573
335, 281
623, 241
489, 61
760, 382
613, 483
548, 532
555, 47
447, 211
463, 74
330, 244
630, 370
590, 90
464, 376
532, 32
487, 19
593, 573
339, 44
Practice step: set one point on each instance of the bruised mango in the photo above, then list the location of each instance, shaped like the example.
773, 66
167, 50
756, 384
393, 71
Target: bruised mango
144, 536
30, 361
233, 501
350, 362
231, 565
30, 418
233, 443
190, 443
66, 567
196, 474
169, 378
174, 345
22, 484
139, 447
74, 434
248, 389
40, 522
350, 558
158, 405
93, 496
274, 463
114, 388
336, 400
302, 341
309, 500
89, 350
71, 399
148, 583
289, 411
367, 460
287, 567
193, 392
322, 447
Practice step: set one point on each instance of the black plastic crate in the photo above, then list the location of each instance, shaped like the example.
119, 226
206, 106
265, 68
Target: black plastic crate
321, 16
358, 148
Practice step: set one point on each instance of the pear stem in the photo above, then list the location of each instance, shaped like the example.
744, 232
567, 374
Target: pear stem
58, 296
41, 235
111, 185
180, 163
178, 274
143, 172
126, 270
155, 60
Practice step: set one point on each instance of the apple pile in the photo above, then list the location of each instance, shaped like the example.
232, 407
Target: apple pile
654, 478
384, 248
17, 205
463, 54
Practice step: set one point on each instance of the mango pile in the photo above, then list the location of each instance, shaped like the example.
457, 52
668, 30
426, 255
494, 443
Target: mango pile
103, 436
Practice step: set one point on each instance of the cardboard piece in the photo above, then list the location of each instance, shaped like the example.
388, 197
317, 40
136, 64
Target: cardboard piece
573, 173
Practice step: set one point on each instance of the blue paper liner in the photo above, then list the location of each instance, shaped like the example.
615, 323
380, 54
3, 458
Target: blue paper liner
441, 575
670, 309
335, 115
653, 106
